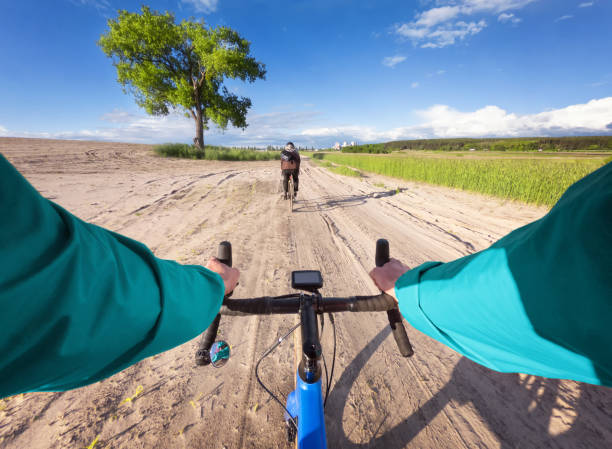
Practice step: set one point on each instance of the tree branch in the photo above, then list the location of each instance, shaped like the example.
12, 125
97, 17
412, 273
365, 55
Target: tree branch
201, 80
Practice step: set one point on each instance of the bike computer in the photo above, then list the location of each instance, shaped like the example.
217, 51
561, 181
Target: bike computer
309, 280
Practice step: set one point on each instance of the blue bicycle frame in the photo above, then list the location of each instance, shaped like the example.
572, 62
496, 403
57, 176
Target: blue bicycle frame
306, 404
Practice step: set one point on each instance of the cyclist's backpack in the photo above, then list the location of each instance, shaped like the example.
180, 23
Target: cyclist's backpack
288, 161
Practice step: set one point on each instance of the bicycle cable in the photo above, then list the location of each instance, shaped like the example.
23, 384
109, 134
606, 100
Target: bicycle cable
331, 376
328, 379
267, 353
324, 362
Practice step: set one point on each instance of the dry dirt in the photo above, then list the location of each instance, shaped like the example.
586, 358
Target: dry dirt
181, 209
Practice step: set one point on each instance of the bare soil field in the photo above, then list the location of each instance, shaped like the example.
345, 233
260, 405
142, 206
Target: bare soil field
182, 209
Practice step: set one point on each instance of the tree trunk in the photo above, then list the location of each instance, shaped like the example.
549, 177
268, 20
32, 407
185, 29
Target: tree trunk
199, 138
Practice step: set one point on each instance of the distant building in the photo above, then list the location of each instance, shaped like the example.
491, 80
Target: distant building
353, 144
337, 146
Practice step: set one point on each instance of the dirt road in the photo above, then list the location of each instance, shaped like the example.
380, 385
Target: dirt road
182, 209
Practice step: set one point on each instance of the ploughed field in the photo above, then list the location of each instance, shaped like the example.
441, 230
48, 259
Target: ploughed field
182, 208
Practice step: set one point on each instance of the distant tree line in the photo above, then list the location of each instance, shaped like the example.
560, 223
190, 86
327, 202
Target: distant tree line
282, 147
582, 143
378, 148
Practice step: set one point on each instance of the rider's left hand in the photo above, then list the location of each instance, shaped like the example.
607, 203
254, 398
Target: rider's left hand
386, 276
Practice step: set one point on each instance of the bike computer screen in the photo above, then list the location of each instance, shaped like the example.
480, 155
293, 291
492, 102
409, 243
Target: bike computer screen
306, 280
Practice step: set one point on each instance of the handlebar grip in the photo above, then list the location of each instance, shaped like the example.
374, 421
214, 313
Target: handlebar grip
382, 252
379, 303
224, 253
399, 333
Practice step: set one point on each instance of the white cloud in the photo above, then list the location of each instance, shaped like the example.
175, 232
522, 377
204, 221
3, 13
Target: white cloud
442, 121
98, 4
586, 4
435, 16
495, 6
310, 127
127, 128
119, 116
442, 35
448, 35
565, 17
392, 61
204, 6
509, 17
264, 129
365, 133
438, 27
415, 85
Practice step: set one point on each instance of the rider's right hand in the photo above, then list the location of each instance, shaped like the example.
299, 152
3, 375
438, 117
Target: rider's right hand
229, 275
386, 276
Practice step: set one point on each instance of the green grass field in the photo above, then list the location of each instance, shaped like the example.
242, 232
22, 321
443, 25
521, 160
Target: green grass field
214, 153
537, 178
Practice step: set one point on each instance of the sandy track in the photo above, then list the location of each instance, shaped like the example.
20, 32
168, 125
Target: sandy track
182, 209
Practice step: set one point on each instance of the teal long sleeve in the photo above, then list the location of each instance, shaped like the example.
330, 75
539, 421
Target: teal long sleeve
79, 303
538, 301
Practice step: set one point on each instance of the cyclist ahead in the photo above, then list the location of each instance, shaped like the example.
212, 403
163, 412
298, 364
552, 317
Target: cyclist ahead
290, 166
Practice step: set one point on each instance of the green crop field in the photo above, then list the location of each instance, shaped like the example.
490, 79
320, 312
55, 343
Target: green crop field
536, 178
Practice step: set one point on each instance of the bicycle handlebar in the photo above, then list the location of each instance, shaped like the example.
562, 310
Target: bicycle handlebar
268, 305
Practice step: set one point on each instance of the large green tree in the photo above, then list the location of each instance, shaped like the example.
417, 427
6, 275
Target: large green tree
169, 65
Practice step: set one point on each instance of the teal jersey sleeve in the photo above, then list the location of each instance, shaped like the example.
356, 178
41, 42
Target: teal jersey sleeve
538, 301
80, 303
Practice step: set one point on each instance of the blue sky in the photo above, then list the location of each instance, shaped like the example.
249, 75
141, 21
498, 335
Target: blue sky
364, 70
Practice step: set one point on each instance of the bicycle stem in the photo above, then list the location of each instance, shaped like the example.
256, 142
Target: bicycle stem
310, 367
